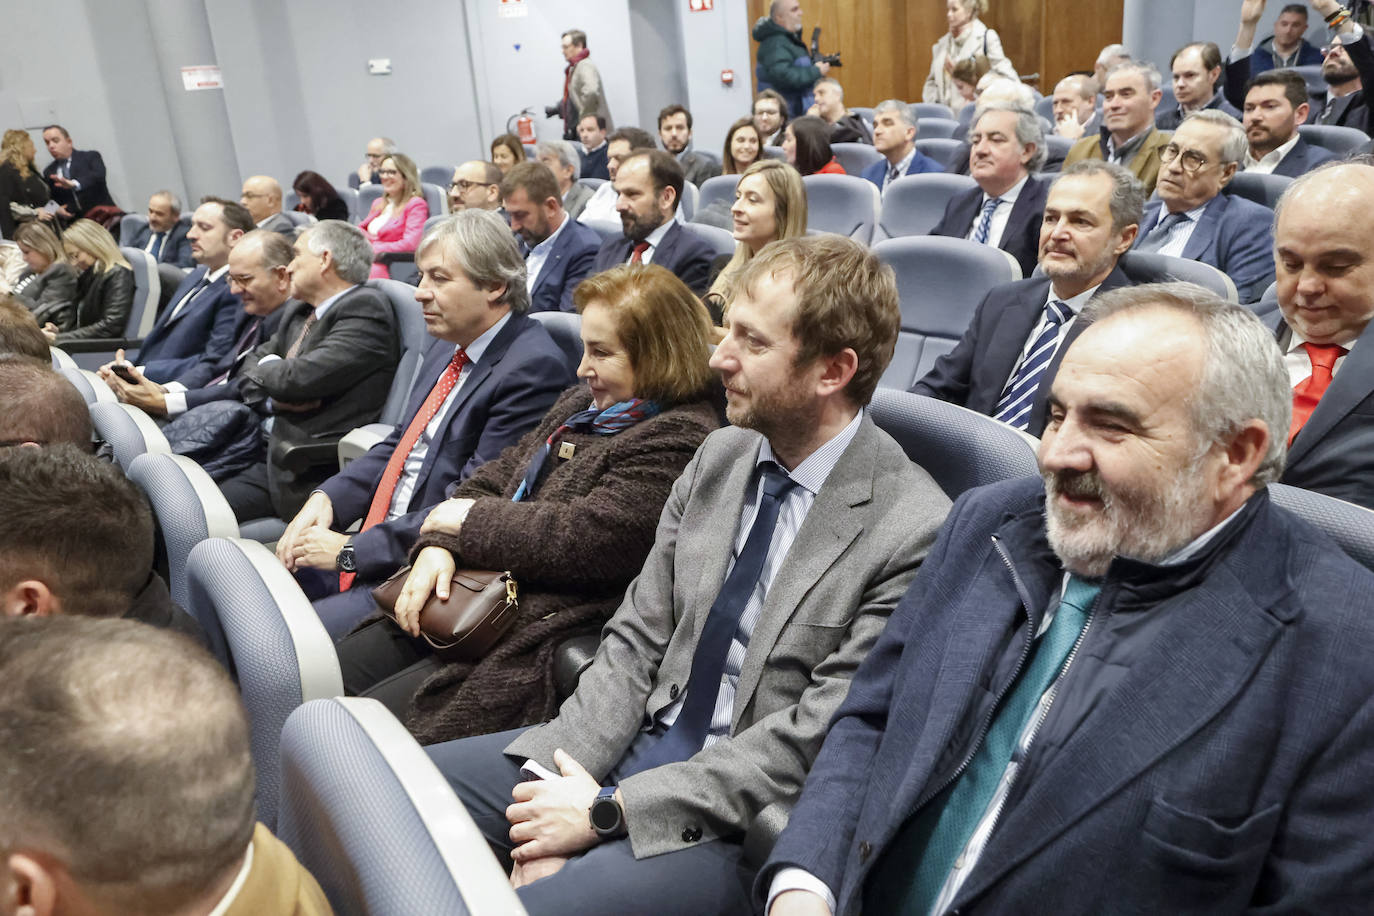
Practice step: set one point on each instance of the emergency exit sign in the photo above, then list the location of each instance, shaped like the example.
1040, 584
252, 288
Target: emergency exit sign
700, 6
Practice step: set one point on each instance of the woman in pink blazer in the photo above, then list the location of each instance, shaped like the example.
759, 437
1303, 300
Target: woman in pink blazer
397, 218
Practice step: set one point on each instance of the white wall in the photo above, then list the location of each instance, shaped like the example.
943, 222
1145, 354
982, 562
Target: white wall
1155, 29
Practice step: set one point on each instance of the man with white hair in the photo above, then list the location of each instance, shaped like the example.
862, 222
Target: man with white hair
1190, 217
164, 235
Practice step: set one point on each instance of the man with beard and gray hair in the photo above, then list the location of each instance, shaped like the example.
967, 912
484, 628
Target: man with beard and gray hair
1141, 656
1013, 343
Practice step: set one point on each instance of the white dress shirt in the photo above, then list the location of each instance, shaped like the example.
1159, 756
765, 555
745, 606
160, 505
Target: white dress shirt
1075, 304
601, 205
1266, 164
1181, 231
1299, 364
999, 216
534, 261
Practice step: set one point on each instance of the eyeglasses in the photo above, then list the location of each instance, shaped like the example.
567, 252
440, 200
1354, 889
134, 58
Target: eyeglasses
462, 185
386, 172
1191, 161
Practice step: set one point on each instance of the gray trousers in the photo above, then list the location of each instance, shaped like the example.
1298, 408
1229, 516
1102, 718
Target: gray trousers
707, 877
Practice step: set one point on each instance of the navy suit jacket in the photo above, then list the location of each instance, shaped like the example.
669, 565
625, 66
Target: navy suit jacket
197, 379
205, 329
1223, 763
920, 163
509, 390
1302, 158
176, 248
680, 251
1234, 235
567, 264
1332, 451
594, 163
1020, 239
1171, 118
88, 170
974, 373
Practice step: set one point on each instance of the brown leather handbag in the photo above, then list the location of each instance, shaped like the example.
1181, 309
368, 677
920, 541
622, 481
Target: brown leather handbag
481, 607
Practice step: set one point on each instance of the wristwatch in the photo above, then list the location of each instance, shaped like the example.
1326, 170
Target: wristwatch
345, 561
606, 815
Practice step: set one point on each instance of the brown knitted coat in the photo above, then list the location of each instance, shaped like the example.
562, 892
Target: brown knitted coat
573, 549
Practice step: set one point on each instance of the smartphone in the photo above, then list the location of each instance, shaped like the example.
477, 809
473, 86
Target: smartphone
126, 372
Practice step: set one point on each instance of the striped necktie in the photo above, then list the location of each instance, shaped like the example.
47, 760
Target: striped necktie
1159, 236
1014, 407
980, 235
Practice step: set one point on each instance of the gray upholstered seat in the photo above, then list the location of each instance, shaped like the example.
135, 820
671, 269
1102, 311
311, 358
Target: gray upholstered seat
130, 432
936, 128
843, 204
1261, 188
941, 149
855, 157
92, 387
1151, 267
1339, 140
721, 187
930, 110
566, 330
1349, 525
913, 204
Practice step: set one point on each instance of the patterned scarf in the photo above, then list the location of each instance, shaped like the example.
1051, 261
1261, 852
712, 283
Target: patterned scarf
606, 422
578, 58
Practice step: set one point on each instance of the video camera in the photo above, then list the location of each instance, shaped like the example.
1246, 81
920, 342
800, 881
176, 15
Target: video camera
816, 56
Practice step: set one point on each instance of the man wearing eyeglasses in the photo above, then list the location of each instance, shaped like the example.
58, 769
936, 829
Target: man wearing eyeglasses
378, 148
1190, 217
476, 185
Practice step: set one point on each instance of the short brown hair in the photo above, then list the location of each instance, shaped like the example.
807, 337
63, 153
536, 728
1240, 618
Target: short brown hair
535, 179
846, 298
39, 405
664, 171
1294, 86
19, 332
663, 325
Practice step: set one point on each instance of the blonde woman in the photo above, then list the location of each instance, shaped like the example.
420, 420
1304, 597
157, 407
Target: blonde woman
770, 204
47, 278
22, 188
967, 39
397, 218
104, 288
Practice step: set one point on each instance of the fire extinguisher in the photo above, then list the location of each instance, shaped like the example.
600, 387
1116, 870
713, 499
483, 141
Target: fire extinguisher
522, 125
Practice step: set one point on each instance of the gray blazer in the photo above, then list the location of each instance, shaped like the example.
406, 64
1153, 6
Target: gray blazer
866, 533
576, 199
280, 223
52, 288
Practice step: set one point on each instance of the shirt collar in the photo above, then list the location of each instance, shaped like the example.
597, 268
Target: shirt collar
1010, 196
1196, 545
1274, 156
266, 218
1126, 149
1193, 215
215, 274
324, 306
657, 235
812, 473
1296, 340
479, 346
543, 247
903, 164
240, 880
1075, 303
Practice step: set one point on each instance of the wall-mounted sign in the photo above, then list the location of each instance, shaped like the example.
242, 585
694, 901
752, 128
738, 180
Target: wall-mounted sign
206, 76
700, 6
513, 9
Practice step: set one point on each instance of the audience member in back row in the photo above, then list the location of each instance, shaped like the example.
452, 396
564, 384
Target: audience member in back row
845, 126
1196, 71
378, 148
258, 277
38, 406
106, 703
770, 116
19, 334
104, 288
570, 511
591, 131
48, 279
506, 151
203, 318
769, 204
1006, 145
397, 218
743, 147
559, 250
1326, 295
261, 197
806, 143
648, 184
602, 206
712, 692
1075, 107
76, 177
23, 192
894, 135
164, 236
78, 535
1128, 136
967, 37
318, 197
1276, 102
675, 133
476, 185
489, 380
1144, 657
1004, 362
560, 158
326, 370
1191, 218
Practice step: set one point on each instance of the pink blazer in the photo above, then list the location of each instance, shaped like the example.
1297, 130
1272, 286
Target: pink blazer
400, 233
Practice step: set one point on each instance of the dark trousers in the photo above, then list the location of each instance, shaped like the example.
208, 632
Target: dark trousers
703, 878
247, 494
385, 663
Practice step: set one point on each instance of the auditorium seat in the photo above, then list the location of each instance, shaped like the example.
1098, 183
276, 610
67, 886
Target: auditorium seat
942, 150
350, 198
690, 197
439, 175
913, 204
940, 281
1261, 188
593, 183
606, 228
436, 197
855, 157
865, 114
1349, 525
277, 648
1044, 107
960, 448
1268, 303
170, 277
289, 200
566, 330
1312, 74
723, 242
92, 353
936, 128
931, 110
61, 359
129, 431
188, 508
92, 387
1333, 137
844, 204
775, 152
1058, 147
1149, 267
366, 195
721, 187
367, 812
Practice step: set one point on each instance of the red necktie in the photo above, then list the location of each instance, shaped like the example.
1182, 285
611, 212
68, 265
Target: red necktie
1310, 390
637, 257
395, 466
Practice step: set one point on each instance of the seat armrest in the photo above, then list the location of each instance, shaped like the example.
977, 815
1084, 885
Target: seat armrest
395, 257
306, 455
570, 659
357, 442
101, 344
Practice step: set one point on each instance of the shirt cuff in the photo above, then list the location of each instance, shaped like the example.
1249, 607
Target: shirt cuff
1238, 53
798, 879
1355, 34
176, 403
536, 769
269, 358
174, 386
76, 185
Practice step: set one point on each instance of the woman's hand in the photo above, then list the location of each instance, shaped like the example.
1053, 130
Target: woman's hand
432, 574
447, 517
50, 332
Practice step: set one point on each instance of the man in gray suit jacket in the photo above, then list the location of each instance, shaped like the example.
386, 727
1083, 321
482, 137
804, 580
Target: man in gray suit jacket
262, 196
779, 556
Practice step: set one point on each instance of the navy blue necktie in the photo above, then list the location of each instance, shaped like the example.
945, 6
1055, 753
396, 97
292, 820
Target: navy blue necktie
156, 250
688, 732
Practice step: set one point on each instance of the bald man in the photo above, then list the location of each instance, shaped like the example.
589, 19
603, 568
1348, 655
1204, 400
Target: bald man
262, 196
1075, 106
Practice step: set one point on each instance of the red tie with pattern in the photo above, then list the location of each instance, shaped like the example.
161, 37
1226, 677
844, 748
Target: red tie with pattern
395, 466
637, 256
1310, 390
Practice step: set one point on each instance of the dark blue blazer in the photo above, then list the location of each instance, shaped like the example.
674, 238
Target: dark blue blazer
1169, 119
198, 377
594, 163
567, 264
1234, 235
1223, 763
510, 389
1332, 451
920, 163
974, 373
684, 254
88, 170
1021, 238
205, 329
176, 248
1302, 158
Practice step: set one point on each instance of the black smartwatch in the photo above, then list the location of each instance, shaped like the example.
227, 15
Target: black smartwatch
606, 815
345, 561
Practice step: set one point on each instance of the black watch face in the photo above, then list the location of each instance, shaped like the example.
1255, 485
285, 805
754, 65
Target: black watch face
605, 815
346, 560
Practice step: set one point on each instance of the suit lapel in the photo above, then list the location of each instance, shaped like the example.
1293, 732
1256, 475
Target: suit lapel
1021, 212
174, 318
1353, 382
665, 255
1208, 227
1148, 221
965, 211
713, 562
555, 257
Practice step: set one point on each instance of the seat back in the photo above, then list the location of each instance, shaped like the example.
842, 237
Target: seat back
566, 330
1262, 189
1058, 147
843, 204
1312, 74
1268, 303
1150, 267
943, 151
367, 812
722, 241
436, 197
774, 152
690, 196
930, 110
592, 183
913, 204
188, 508
170, 276
940, 281
367, 195
721, 187
147, 292
936, 128
92, 387
350, 198
61, 359
960, 448
290, 200
1045, 108
415, 342
129, 224
280, 651
855, 157
1349, 525
439, 175
296, 218
1339, 140
606, 228
130, 432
